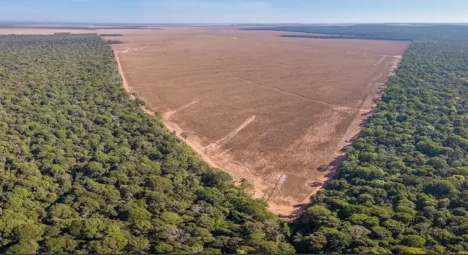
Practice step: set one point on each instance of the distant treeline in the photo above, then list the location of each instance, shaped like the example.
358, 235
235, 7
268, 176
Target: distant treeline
110, 35
378, 31
341, 37
113, 41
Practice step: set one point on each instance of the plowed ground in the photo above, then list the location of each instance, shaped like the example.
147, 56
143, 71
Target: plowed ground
261, 107
268, 109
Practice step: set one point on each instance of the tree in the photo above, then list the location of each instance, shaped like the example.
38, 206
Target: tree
29, 232
315, 217
24, 247
413, 241
84, 170
411, 250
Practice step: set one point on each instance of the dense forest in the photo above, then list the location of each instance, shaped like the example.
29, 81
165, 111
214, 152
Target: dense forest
84, 170
403, 187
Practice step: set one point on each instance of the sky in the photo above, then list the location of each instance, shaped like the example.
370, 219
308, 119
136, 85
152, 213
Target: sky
235, 11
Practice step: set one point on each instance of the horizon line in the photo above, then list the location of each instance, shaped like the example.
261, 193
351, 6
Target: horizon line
222, 23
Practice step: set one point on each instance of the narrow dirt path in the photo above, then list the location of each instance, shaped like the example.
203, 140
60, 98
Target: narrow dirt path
380, 60
382, 55
204, 152
166, 119
124, 80
169, 114
353, 130
333, 106
230, 135
133, 49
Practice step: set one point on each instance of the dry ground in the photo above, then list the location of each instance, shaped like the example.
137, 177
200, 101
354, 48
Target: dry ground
268, 109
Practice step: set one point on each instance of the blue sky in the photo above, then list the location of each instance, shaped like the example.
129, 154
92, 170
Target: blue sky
235, 11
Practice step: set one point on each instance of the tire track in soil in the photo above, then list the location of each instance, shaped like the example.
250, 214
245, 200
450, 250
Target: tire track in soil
229, 136
283, 91
133, 49
202, 150
351, 131
169, 114
380, 60
196, 147
318, 101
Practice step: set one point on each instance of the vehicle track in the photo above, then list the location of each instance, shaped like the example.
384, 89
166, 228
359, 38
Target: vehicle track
333, 106
228, 137
196, 147
169, 114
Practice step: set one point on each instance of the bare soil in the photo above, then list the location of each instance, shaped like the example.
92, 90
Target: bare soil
261, 107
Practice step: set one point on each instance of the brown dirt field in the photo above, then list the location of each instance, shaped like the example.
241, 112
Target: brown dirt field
261, 107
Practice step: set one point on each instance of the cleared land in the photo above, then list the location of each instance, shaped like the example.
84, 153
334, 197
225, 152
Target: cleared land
264, 108
261, 107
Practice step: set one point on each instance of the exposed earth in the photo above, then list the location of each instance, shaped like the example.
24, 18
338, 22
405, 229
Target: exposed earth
265, 108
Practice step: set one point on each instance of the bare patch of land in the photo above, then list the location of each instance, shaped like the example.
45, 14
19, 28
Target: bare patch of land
261, 107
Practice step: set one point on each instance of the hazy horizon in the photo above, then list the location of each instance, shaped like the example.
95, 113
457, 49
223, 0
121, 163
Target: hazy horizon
97, 23
234, 11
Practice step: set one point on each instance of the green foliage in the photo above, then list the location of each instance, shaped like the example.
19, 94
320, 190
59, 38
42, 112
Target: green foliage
84, 170
403, 186
23, 247
411, 250
413, 240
